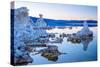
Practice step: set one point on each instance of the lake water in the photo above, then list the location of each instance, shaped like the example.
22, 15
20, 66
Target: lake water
75, 52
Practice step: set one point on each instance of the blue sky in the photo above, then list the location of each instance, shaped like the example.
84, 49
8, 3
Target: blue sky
60, 11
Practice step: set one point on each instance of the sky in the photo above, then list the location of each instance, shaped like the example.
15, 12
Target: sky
59, 11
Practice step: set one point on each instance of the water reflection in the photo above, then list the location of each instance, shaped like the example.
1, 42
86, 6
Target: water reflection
50, 52
86, 42
49, 46
84, 36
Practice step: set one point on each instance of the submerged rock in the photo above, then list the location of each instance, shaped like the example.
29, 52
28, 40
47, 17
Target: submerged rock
50, 56
51, 53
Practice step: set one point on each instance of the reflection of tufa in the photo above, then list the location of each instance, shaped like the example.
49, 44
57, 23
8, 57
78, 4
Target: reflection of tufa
82, 36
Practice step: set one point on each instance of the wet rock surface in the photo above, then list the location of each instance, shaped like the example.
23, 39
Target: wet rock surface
22, 56
51, 53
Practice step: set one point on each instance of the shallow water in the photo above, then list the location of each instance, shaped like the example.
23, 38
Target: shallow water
75, 52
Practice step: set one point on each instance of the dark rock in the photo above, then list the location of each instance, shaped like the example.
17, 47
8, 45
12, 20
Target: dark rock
51, 53
23, 60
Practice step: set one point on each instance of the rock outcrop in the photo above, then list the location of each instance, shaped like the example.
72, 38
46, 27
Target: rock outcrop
51, 53
25, 35
83, 35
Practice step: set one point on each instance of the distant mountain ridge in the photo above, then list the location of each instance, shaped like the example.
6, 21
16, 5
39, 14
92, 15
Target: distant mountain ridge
52, 22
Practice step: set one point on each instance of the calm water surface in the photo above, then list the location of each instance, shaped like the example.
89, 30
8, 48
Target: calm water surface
75, 52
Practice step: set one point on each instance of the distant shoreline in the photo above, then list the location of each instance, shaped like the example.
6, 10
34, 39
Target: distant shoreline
52, 22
